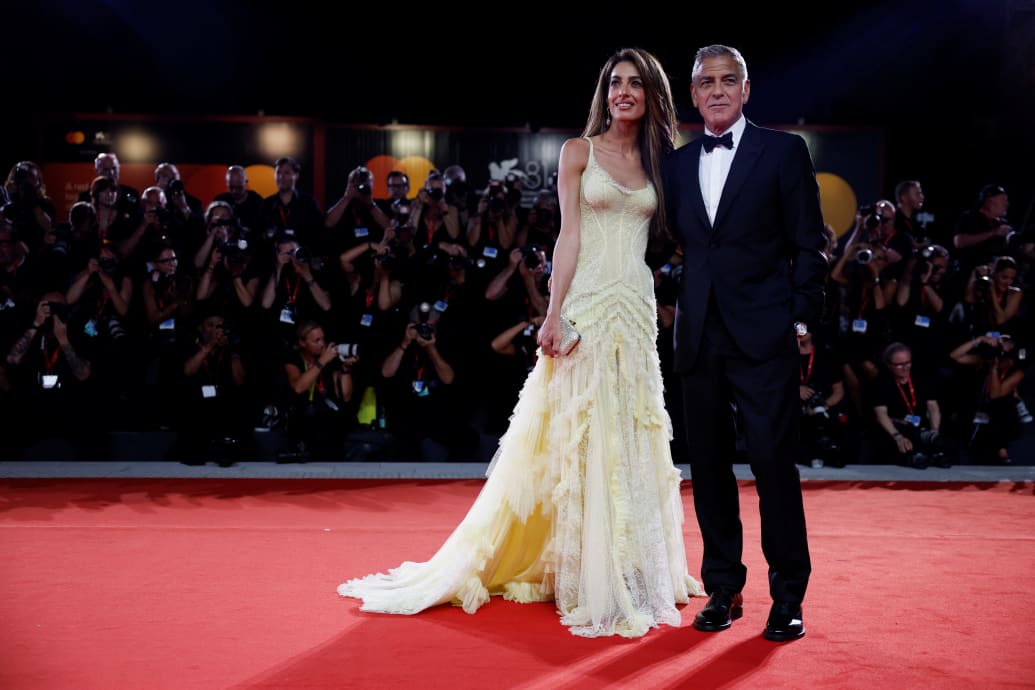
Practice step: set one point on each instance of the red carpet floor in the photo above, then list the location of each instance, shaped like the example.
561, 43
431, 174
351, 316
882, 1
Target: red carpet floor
195, 583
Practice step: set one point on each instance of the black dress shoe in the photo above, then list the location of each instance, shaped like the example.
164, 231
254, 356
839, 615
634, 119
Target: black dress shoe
721, 610
784, 622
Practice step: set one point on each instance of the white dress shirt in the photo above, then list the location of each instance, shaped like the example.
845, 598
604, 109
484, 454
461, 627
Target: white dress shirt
715, 167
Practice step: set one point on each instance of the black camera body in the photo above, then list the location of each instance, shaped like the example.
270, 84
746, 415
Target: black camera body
59, 309
108, 264
863, 256
425, 330
531, 256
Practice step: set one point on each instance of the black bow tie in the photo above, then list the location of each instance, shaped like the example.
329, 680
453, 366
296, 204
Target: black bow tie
711, 142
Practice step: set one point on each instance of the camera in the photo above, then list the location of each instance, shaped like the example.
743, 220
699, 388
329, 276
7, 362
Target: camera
401, 212
346, 350
107, 264
362, 182
175, 187
497, 204
816, 405
424, 329
436, 194
531, 256
458, 262
304, 255
59, 309
863, 256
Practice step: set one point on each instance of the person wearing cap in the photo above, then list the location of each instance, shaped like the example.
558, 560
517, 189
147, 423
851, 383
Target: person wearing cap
981, 233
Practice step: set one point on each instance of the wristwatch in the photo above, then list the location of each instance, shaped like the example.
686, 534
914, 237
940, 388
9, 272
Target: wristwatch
800, 329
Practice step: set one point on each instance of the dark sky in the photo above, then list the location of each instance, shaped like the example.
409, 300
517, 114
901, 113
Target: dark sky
927, 72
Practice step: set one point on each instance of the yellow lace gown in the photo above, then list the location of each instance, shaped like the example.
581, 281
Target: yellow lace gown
581, 504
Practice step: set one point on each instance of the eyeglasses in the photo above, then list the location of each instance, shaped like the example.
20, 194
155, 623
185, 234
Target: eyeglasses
902, 364
170, 260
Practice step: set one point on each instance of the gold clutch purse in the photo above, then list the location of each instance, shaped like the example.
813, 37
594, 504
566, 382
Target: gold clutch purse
569, 337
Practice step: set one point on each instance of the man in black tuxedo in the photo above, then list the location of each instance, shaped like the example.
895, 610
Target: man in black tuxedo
743, 202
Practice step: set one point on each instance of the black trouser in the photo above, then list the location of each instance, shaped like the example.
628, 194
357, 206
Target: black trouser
764, 395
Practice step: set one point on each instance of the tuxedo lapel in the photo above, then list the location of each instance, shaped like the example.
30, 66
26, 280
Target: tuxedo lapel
693, 187
748, 151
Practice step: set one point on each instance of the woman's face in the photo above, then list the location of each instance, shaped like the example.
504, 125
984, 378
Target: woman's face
626, 98
166, 262
313, 342
1005, 277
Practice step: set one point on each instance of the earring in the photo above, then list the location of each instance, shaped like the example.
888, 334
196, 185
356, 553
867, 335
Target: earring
607, 122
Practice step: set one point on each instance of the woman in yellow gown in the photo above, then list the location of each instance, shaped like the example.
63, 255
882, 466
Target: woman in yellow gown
582, 502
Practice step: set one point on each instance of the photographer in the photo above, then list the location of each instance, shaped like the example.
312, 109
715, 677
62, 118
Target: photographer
212, 418
821, 391
863, 322
102, 293
167, 176
542, 223
420, 376
49, 369
319, 385
168, 300
355, 218
228, 273
980, 233
433, 219
991, 298
156, 227
492, 229
919, 314
999, 370
28, 207
907, 413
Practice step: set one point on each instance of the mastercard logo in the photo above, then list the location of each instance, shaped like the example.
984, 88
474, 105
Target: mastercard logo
415, 167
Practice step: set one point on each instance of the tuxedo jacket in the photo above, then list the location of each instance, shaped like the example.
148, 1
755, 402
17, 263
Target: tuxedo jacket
762, 260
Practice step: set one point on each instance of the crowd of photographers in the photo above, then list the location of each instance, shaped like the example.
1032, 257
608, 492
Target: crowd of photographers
403, 327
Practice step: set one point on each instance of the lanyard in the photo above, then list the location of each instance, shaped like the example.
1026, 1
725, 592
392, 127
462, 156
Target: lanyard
49, 360
431, 225
807, 374
317, 385
912, 394
292, 293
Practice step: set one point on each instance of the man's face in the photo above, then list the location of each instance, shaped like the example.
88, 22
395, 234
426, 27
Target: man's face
236, 184
166, 174
108, 166
286, 178
719, 93
398, 187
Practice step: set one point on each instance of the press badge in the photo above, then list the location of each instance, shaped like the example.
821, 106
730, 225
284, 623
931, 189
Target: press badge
913, 419
922, 321
490, 252
90, 328
330, 404
420, 389
981, 418
440, 306
859, 326
167, 325
208, 391
287, 315
362, 232
366, 320
49, 381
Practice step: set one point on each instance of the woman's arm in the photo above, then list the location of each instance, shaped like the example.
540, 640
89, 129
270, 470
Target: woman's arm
573, 159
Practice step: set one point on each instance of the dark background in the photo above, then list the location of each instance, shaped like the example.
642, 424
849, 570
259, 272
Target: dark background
952, 83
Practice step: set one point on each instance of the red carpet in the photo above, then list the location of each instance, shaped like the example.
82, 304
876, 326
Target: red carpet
194, 584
